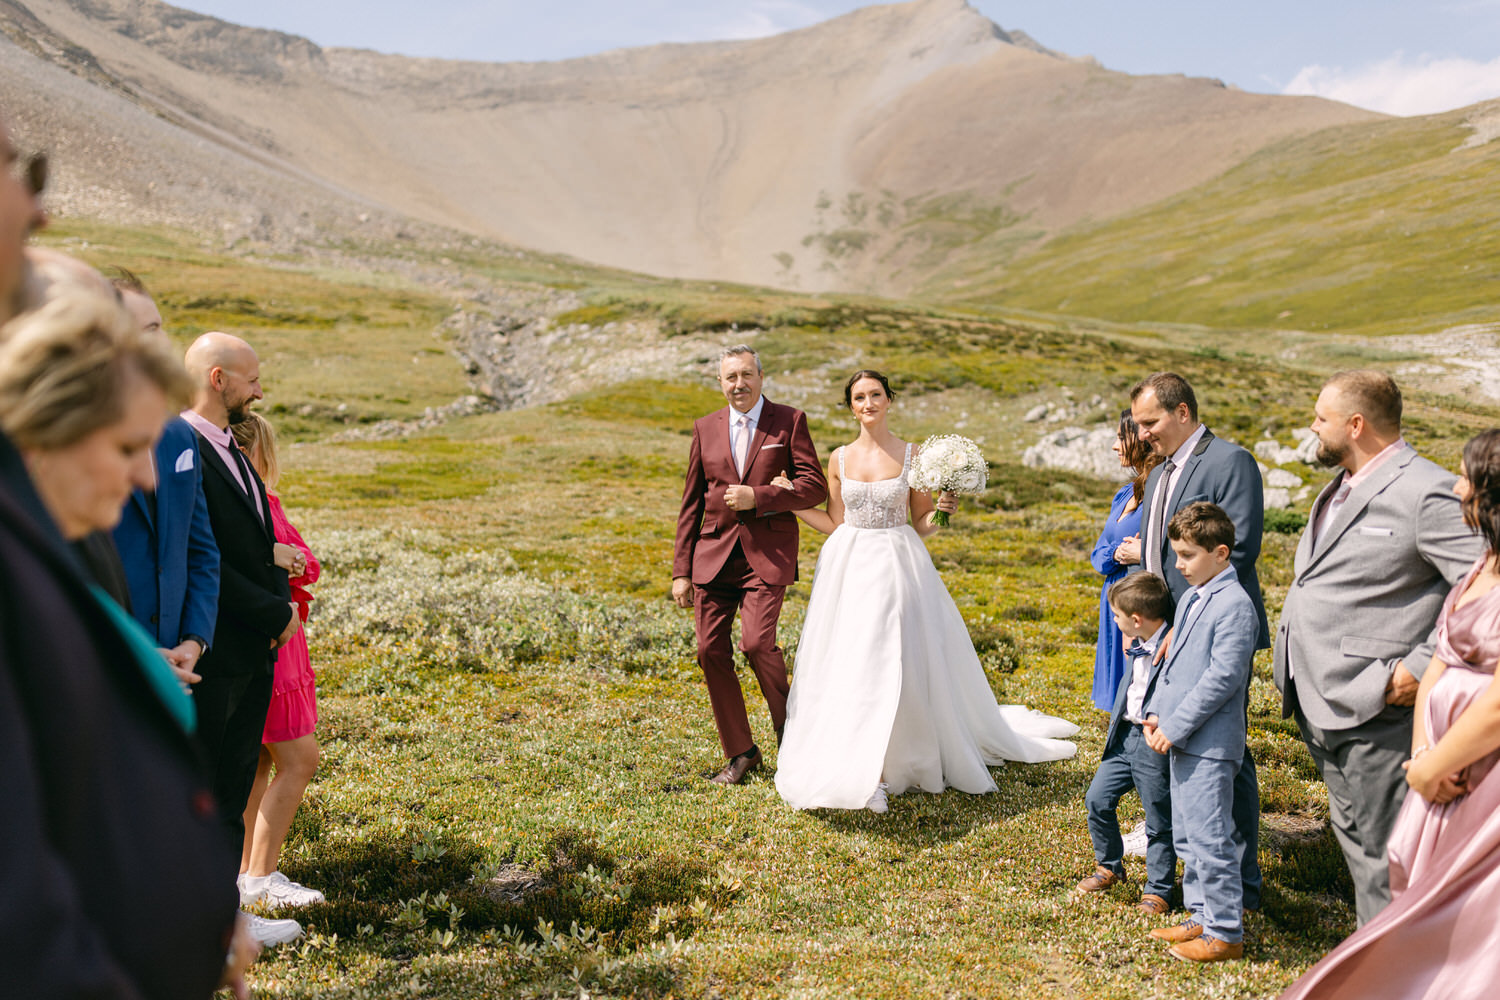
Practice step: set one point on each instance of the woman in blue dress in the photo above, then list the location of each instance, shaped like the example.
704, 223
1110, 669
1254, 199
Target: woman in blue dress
1118, 548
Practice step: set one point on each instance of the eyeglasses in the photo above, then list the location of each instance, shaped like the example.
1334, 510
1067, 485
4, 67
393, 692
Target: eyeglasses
36, 173
32, 173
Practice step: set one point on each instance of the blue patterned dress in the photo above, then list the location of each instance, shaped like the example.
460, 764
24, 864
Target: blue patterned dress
1109, 657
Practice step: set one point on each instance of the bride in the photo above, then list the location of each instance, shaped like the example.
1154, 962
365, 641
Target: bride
887, 692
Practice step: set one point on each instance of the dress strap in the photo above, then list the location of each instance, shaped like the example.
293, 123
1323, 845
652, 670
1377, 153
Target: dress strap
906, 462
842, 474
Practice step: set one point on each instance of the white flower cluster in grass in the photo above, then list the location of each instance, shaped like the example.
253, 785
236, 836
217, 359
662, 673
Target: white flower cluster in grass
396, 599
951, 463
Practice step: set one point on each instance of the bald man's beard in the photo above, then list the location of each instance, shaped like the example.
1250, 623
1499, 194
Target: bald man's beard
239, 412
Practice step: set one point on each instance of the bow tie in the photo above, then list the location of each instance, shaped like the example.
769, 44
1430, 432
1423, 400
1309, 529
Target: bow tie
1138, 648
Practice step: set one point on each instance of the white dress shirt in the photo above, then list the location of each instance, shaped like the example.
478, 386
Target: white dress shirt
1140, 674
743, 424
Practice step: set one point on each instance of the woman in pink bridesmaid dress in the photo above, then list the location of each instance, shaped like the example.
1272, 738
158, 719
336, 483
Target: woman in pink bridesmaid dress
1440, 936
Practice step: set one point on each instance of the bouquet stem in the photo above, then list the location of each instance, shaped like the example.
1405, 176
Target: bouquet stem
940, 516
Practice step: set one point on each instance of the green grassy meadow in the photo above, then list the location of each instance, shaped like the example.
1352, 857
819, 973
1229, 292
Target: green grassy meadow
1383, 227
511, 801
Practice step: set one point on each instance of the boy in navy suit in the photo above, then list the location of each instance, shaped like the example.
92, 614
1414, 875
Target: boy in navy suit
1195, 711
1142, 605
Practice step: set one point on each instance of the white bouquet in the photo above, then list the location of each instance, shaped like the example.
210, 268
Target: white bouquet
949, 463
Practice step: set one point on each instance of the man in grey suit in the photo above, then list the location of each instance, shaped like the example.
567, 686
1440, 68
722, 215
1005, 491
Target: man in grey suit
1200, 466
1384, 544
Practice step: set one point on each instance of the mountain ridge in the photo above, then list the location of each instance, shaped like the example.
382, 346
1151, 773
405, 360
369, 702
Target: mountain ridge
855, 154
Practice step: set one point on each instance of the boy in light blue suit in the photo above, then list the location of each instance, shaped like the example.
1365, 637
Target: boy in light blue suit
1195, 711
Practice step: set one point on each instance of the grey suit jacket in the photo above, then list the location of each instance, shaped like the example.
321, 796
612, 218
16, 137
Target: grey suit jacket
1368, 594
1224, 474
1199, 692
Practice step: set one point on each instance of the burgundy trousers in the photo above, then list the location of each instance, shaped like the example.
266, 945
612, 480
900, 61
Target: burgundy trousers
737, 588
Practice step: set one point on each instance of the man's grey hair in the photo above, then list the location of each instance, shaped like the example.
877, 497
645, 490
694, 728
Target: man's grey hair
737, 350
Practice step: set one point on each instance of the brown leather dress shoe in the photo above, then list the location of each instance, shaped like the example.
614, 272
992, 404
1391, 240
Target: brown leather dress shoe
1102, 879
1208, 949
1185, 931
1153, 905
734, 772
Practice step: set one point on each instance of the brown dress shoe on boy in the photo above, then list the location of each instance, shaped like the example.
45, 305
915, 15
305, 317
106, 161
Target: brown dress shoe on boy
1102, 879
1208, 949
1153, 905
734, 772
1185, 931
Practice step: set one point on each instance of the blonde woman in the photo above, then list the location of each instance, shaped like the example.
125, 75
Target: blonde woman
288, 743
117, 876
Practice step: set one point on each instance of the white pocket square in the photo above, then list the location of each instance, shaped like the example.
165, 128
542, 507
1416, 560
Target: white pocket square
1379, 532
768, 447
184, 461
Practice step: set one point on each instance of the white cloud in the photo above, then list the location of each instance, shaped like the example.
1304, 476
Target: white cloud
761, 18
1401, 86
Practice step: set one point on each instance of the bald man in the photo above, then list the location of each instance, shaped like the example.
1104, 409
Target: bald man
256, 615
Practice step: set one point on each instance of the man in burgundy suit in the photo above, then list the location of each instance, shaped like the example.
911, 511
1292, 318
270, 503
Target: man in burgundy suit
737, 544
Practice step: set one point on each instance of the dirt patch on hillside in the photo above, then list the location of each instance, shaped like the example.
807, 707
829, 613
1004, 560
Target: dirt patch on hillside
1463, 360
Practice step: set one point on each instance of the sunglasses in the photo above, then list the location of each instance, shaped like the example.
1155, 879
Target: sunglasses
36, 173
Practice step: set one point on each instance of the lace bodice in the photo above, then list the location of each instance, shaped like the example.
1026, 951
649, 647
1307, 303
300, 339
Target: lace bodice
880, 504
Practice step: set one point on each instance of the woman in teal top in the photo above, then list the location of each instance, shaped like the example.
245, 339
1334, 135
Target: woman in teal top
121, 881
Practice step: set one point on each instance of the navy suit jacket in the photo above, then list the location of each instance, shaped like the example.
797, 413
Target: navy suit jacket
254, 593
105, 801
166, 542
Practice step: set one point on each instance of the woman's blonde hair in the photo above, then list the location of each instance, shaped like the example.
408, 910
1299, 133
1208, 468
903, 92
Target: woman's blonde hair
256, 431
66, 370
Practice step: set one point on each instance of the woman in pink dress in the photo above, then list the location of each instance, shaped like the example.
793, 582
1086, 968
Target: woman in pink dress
1440, 936
289, 744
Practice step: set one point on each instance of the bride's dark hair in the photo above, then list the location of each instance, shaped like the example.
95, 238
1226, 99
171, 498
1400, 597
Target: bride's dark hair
885, 384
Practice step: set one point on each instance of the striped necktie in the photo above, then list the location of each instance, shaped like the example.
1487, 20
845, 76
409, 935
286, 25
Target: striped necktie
1156, 524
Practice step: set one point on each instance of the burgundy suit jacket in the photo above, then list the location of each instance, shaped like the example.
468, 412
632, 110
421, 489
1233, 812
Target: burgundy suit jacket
707, 530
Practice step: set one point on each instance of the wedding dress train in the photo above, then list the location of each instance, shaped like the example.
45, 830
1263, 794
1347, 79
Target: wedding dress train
886, 685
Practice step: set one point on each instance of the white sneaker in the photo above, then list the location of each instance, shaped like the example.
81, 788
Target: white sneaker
877, 803
1135, 841
271, 932
275, 890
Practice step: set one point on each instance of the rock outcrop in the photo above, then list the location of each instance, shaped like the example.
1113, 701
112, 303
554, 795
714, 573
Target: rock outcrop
1087, 450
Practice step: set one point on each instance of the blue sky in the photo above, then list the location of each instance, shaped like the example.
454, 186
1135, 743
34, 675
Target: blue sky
1398, 56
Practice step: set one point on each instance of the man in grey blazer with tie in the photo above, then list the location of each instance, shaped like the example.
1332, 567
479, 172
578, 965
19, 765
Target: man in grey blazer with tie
1384, 544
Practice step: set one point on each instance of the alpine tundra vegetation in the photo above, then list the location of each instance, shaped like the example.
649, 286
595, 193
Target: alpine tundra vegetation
512, 723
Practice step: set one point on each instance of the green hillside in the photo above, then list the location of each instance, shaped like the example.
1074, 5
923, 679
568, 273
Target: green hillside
1371, 228
514, 732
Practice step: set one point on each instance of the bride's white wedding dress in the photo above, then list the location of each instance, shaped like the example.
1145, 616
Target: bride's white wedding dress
887, 686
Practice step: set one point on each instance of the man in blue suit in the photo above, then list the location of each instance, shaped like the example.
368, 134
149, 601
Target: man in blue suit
165, 539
